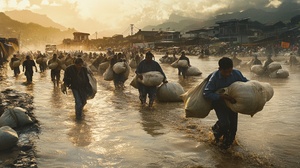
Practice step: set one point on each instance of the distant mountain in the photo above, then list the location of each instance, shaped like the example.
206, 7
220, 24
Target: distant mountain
31, 34
26, 16
284, 13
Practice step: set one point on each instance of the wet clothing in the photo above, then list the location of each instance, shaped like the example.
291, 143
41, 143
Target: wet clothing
16, 69
55, 73
143, 67
183, 69
79, 83
28, 65
226, 125
118, 79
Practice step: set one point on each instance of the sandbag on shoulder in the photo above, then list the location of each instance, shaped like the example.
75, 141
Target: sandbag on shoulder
152, 78
119, 67
8, 137
170, 92
108, 75
15, 117
195, 105
250, 96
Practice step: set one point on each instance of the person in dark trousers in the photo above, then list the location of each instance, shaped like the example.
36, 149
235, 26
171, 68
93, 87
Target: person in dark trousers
226, 126
76, 78
28, 65
256, 61
183, 70
55, 73
16, 68
144, 66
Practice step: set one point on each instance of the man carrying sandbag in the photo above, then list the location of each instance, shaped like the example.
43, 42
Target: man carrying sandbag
55, 70
226, 126
144, 66
182, 69
15, 64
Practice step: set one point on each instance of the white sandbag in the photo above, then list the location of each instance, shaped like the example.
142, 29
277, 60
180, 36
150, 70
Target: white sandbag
282, 73
93, 83
250, 97
119, 67
267, 87
44, 59
170, 92
273, 66
93, 68
273, 74
15, 117
183, 63
104, 65
127, 71
53, 65
195, 105
175, 64
193, 71
257, 69
132, 63
8, 137
134, 82
152, 78
108, 75
16, 63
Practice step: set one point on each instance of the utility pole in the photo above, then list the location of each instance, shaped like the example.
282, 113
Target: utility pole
131, 29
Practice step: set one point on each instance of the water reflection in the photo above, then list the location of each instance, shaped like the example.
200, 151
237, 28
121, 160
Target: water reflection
56, 99
80, 133
149, 123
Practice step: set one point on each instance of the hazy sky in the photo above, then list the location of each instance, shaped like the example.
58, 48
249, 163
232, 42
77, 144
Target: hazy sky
115, 16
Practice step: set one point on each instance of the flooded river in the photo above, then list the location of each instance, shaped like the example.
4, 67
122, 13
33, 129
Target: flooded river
117, 132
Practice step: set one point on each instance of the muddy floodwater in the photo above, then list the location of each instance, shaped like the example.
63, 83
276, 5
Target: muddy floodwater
117, 132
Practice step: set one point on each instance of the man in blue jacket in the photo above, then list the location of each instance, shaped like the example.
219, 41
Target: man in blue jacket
226, 126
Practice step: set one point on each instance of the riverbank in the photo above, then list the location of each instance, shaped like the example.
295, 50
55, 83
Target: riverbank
23, 154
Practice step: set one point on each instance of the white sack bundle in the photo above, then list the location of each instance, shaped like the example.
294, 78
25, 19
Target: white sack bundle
183, 63
108, 75
193, 71
53, 65
104, 65
174, 64
152, 78
282, 73
8, 137
93, 83
273, 66
15, 117
132, 63
119, 67
127, 71
257, 69
93, 68
250, 97
170, 92
269, 92
16, 63
195, 105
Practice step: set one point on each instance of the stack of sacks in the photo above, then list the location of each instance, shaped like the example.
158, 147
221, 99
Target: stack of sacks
195, 105
250, 96
170, 92
275, 70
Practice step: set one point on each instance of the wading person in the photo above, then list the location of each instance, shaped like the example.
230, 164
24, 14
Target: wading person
182, 69
55, 70
16, 68
118, 78
144, 66
76, 78
226, 126
28, 65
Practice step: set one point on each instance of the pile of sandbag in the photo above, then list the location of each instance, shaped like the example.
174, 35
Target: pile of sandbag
273, 70
195, 105
8, 137
250, 96
15, 117
170, 92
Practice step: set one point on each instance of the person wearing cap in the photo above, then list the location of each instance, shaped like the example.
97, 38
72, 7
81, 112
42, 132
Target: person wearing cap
76, 78
183, 70
28, 65
147, 65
